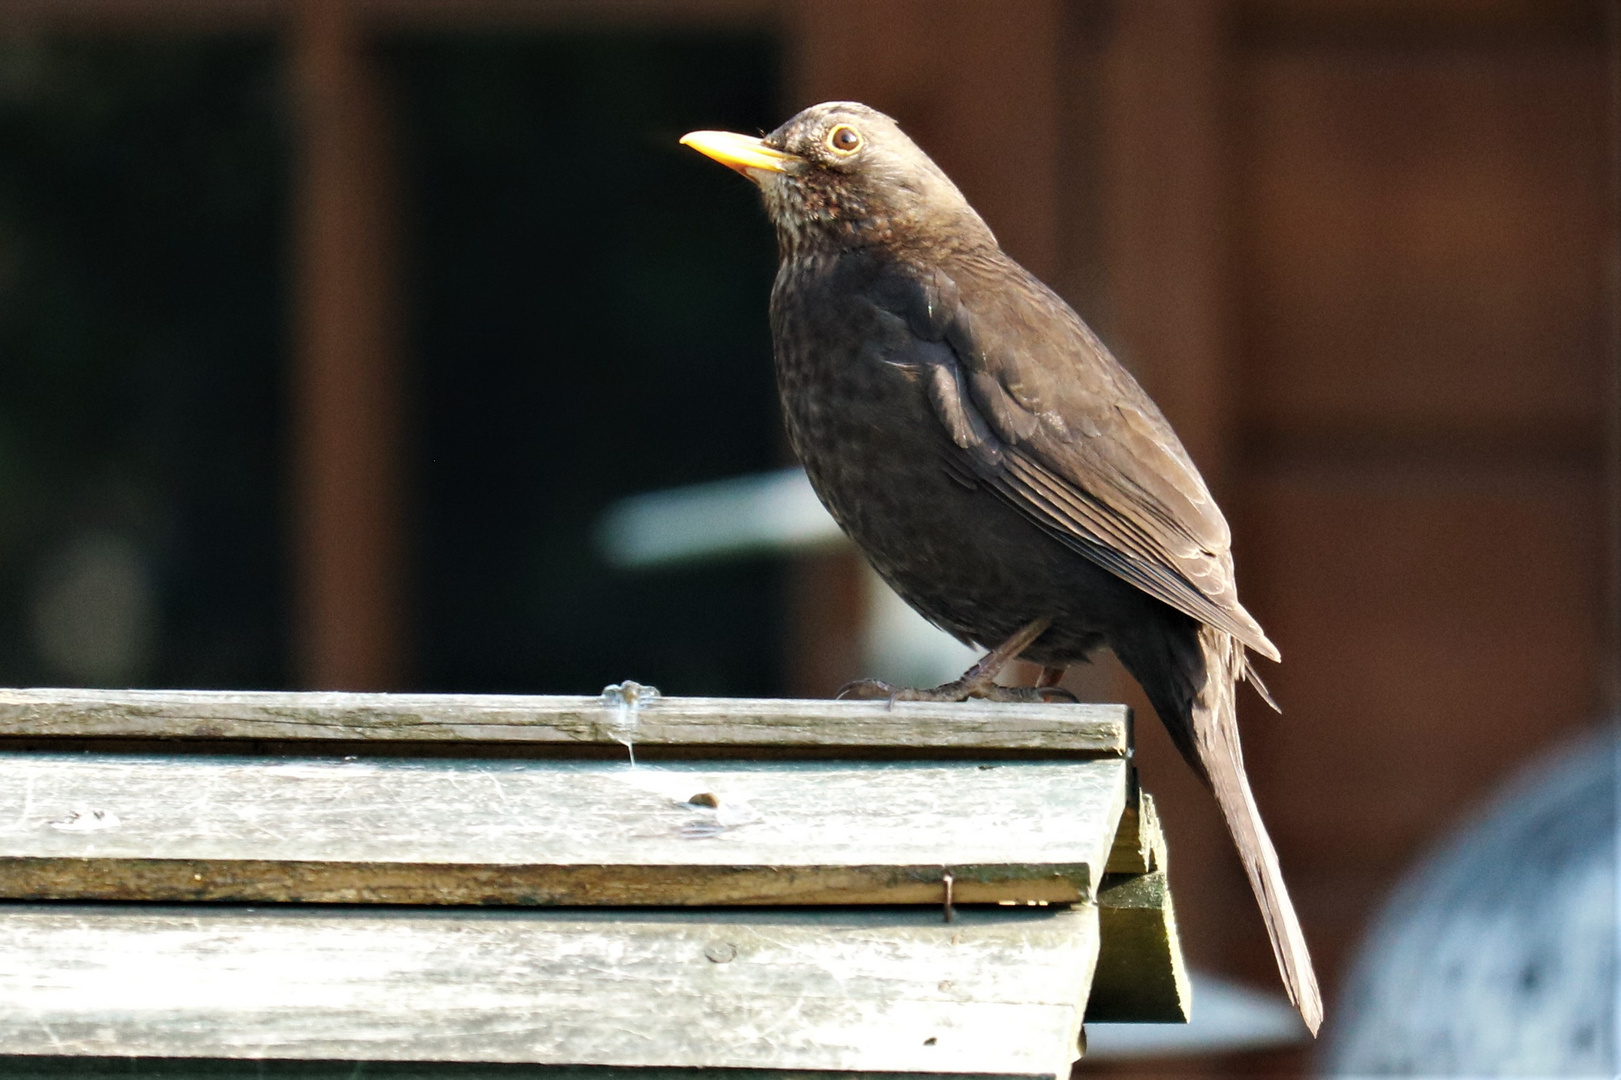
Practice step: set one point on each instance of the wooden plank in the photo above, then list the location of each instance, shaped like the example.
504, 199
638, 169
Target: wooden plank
560, 720
60, 1067
389, 830
999, 991
1164, 179
1134, 850
1141, 976
347, 376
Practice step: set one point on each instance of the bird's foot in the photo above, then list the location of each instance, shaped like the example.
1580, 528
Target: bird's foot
978, 681
972, 685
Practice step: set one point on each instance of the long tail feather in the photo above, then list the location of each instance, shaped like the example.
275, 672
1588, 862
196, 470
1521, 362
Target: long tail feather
1253, 677
1215, 735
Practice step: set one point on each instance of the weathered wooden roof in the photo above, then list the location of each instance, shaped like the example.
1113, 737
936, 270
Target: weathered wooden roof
708, 907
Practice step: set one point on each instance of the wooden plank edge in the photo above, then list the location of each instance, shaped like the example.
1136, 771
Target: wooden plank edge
522, 750
571, 720
27, 1065
35, 878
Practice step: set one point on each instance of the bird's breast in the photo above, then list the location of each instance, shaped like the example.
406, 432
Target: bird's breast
860, 418
847, 394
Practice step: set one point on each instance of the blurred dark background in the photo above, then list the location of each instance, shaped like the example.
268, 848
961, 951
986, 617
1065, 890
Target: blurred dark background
143, 355
329, 328
584, 312
564, 308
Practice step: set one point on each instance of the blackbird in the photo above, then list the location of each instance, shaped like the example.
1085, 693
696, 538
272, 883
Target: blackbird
993, 461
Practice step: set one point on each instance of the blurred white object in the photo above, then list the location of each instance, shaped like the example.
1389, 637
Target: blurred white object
903, 648
777, 512
765, 512
1497, 955
95, 610
1226, 1018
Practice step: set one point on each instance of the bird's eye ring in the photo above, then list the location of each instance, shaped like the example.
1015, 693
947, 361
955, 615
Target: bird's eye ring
844, 139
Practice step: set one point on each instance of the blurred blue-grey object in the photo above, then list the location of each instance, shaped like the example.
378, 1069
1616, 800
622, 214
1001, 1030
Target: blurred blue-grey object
1497, 955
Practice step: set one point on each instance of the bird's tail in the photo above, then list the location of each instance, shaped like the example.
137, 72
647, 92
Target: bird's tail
1215, 737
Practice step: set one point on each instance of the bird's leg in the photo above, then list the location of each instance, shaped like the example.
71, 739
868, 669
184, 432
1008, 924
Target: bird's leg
1050, 676
978, 681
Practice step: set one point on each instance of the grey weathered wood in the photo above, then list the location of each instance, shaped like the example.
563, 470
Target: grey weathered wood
997, 992
559, 720
552, 831
59, 1067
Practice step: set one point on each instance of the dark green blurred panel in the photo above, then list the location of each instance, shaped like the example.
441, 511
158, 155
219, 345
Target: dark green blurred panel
142, 314
589, 313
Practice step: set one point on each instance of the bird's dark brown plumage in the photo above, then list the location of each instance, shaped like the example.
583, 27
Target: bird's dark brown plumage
991, 458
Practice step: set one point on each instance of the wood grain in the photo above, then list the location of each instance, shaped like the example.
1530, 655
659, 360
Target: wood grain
997, 992
559, 720
60, 1067
127, 827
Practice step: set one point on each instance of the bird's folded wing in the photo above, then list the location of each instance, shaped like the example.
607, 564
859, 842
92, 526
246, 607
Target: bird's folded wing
1052, 423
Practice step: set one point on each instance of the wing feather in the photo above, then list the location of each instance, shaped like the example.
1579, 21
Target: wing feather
1068, 437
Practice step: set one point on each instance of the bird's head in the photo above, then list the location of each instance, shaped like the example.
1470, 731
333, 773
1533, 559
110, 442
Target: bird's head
841, 175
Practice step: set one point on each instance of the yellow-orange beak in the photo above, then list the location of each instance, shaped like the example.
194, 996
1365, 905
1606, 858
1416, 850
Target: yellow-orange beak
740, 152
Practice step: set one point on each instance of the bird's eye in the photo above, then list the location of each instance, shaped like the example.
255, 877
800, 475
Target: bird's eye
844, 139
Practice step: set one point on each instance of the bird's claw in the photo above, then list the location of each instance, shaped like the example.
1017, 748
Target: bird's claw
868, 690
